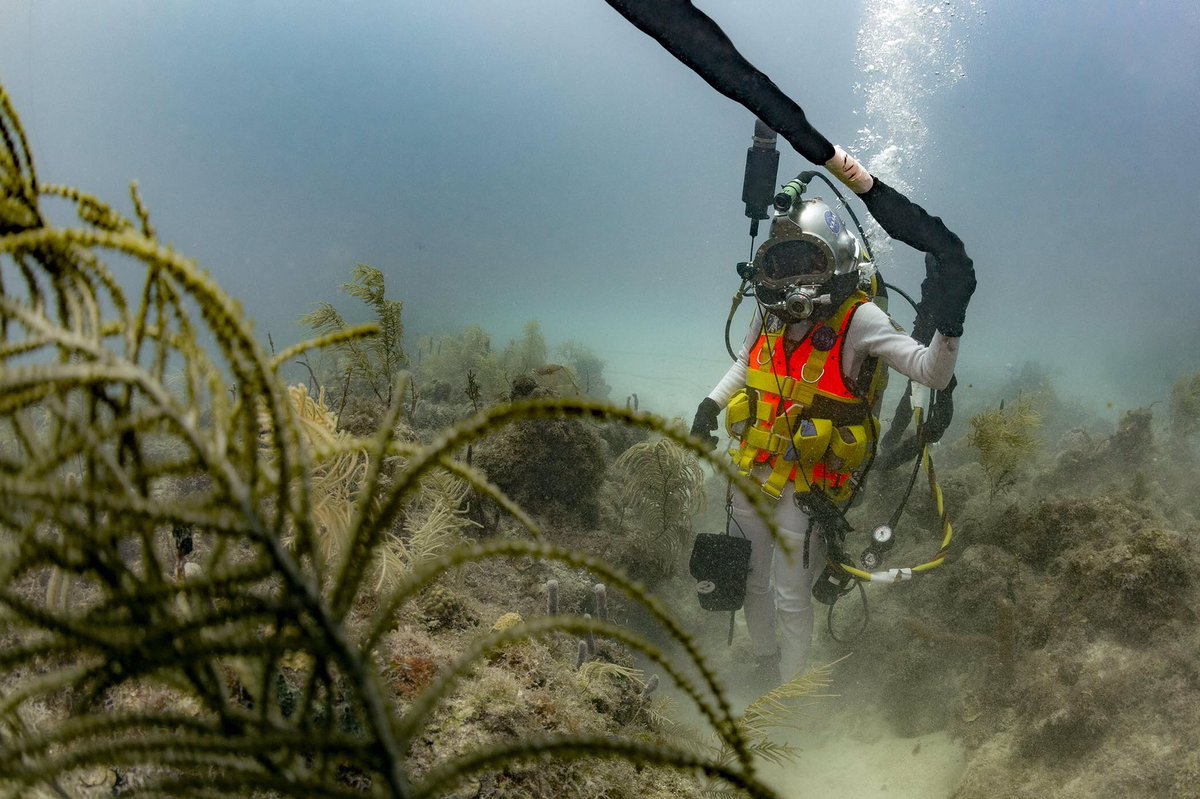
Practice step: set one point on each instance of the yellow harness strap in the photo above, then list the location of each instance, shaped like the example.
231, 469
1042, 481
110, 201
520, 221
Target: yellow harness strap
780, 435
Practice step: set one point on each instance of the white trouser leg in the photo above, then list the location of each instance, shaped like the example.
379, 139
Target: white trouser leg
792, 596
759, 606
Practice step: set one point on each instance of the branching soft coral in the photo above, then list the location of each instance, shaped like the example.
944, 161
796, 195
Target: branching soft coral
1006, 439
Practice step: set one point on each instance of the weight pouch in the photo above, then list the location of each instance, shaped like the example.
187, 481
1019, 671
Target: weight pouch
720, 564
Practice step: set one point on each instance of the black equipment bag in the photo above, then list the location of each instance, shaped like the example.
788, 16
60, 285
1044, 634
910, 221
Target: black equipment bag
720, 564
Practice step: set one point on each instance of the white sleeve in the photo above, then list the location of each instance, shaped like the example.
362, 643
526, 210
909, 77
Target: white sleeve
735, 377
873, 333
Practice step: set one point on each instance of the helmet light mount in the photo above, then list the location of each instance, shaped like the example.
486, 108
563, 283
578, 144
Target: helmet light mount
762, 165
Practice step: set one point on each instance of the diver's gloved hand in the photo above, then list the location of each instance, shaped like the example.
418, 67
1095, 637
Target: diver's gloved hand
949, 271
946, 292
706, 422
941, 413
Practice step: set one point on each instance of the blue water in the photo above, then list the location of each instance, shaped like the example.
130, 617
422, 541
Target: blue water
541, 160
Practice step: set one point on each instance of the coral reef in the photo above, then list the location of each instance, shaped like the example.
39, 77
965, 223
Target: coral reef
214, 584
1059, 640
587, 369
527, 353
556, 466
1185, 406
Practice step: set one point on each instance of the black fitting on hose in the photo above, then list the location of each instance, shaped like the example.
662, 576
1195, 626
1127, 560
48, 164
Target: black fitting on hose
834, 582
762, 166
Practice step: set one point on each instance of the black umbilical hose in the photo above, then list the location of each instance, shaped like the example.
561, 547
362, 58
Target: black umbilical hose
862, 593
692, 37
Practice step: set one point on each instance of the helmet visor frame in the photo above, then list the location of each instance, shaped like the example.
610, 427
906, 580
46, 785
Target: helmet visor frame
794, 261
809, 244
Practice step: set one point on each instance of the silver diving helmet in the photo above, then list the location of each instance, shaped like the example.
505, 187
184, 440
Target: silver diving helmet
809, 245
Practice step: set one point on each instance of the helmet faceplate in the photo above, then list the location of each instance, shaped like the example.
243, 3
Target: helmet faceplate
808, 245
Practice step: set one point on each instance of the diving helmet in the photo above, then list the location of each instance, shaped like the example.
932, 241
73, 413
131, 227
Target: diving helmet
794, 269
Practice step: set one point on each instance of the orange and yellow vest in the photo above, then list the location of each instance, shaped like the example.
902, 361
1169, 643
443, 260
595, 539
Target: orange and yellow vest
798, 413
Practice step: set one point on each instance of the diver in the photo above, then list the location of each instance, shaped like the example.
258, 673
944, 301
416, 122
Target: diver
801, 398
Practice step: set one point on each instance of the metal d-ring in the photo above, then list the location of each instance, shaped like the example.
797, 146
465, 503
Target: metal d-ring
816, 379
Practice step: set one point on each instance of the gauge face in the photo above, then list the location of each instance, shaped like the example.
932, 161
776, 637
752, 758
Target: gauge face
882, 534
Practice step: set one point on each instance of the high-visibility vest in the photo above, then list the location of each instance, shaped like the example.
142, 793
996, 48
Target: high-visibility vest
799, 414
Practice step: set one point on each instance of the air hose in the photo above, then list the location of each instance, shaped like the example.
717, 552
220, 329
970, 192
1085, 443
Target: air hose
692, 37
860, 576
698, 42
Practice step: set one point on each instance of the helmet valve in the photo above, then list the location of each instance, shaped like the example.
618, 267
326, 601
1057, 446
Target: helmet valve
799, 301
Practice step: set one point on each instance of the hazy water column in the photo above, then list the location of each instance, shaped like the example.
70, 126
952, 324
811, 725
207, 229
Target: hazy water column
907, 52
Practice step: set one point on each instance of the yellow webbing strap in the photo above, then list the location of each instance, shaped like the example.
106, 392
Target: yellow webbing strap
781, 472
738, 410
767, 381
760, 436
804, 389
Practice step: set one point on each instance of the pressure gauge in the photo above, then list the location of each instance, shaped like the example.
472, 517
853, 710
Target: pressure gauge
881, 542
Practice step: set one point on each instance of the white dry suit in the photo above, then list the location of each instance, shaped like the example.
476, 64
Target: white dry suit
868, 333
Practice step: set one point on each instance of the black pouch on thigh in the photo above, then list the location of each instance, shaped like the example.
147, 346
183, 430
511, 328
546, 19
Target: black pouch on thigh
720, 564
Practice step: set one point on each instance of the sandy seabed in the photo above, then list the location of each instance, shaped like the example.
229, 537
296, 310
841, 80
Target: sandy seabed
844, 750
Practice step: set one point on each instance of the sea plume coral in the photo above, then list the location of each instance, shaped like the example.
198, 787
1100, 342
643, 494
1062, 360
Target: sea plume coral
263, 681
372, 363
660, 487
1005, 440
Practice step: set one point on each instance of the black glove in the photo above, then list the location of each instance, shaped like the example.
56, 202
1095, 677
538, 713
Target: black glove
946, 292
941, 413
706, 422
